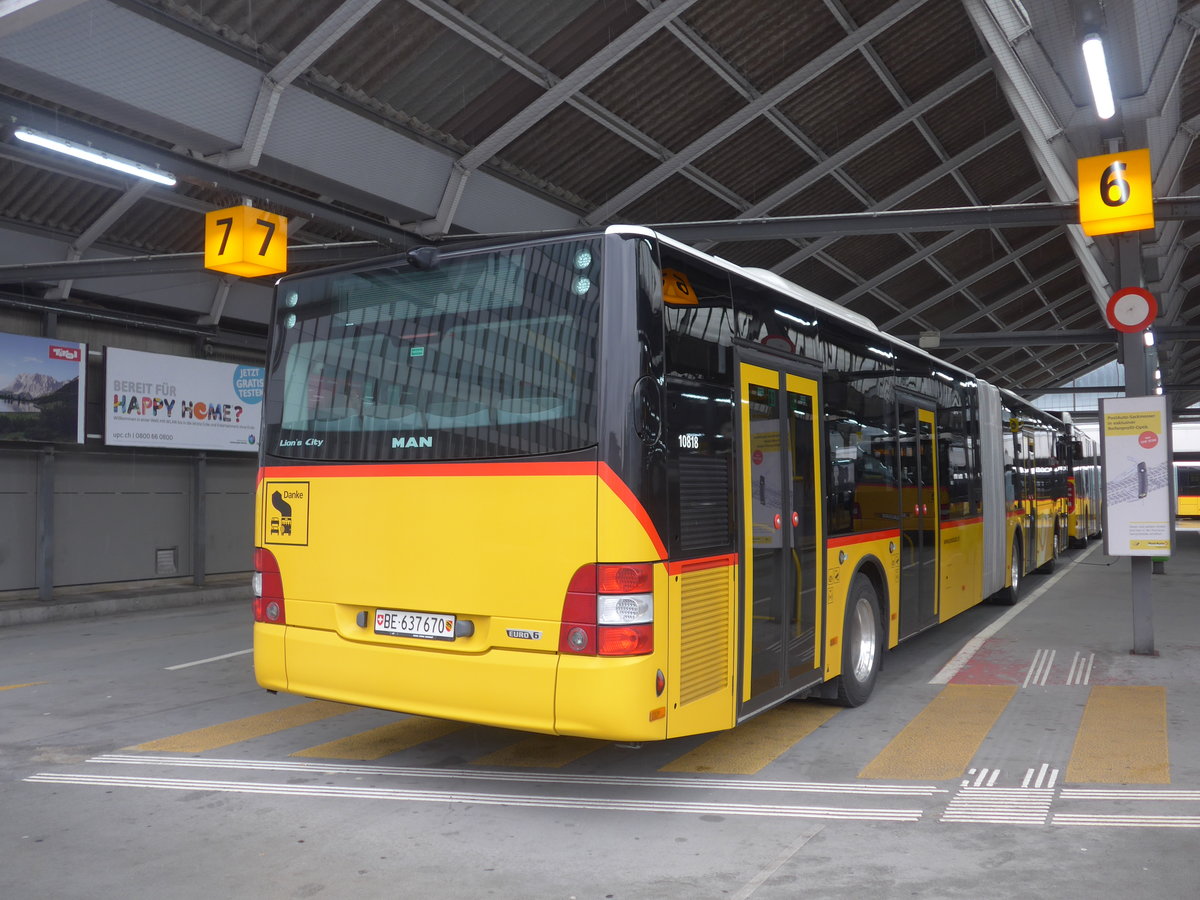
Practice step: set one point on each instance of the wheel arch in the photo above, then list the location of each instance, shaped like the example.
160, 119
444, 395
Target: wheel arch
871, 566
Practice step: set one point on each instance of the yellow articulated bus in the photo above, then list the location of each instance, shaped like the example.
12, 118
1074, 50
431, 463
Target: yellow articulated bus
1187, 484
1084, 488
605, 485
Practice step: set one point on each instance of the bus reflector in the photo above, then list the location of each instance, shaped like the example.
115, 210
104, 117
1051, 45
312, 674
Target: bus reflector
608, 610
268, 589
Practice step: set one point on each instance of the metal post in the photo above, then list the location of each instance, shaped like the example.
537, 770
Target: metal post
45, 525
1137, 384
199, 518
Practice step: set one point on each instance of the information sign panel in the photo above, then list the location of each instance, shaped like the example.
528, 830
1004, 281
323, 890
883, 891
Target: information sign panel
175, 401
1135, 439
1116, 192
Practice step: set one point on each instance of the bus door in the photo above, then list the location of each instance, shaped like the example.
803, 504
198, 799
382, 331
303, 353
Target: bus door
1027, 493
920, 514
782, 532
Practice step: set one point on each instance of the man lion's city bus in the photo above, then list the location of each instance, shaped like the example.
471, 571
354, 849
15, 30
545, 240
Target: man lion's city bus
606, 485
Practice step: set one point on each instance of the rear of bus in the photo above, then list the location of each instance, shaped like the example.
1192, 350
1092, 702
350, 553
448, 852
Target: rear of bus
438, 531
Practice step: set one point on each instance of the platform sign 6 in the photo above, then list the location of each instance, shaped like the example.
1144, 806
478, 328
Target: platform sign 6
1116, 193
242, 240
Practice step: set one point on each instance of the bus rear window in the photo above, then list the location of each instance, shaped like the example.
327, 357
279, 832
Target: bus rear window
491, 355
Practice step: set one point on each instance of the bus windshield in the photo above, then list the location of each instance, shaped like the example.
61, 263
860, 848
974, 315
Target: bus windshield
483, 355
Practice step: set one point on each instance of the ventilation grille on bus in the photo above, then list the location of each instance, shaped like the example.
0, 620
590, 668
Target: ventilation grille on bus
705, 496
704, 657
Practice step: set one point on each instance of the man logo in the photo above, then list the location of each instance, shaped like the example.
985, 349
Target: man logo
408, 443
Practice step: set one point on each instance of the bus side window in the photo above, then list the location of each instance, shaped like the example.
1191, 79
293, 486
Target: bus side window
698, 334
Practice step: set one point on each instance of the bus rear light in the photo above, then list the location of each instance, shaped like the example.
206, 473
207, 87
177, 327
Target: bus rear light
625, 640
268, 589
624, 609
629, 579
608, 610
1070, 495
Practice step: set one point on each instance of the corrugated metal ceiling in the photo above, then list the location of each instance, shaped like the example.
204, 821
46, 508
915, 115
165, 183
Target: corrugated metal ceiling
727, 109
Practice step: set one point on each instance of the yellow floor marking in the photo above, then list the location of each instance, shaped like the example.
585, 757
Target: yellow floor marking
542, 751
1122, 738
385, 740
940, 743
752, 745
227, 733
13, 687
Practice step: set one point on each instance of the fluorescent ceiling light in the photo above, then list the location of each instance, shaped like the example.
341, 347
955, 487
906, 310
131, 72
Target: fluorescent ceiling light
1097, 69
97, 157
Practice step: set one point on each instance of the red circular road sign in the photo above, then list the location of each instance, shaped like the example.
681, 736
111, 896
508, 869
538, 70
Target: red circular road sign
1131, 309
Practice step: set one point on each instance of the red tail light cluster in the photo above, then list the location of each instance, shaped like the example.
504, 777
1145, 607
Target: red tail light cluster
268, 589
609, 611
1070, 495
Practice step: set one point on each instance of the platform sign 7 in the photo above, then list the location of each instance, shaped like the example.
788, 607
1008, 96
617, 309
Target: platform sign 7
1116, 192
242, 240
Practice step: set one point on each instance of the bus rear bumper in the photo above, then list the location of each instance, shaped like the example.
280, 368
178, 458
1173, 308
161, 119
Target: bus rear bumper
601, 698
502, 688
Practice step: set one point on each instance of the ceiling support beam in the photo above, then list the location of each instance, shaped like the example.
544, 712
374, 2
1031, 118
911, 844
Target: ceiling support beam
287, 70
96, 230
554, 97
778, 93
201, 172
173, 263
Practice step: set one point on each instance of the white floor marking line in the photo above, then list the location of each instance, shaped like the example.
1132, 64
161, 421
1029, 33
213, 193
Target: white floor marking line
758, 880
1127, 821
971, 647
520, 800
1041, 777
1081, 669
1000, 806
982, 777
1039, 670
1129, 794
200, 662
684, 782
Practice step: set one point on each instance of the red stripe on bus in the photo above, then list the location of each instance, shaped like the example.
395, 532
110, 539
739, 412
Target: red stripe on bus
383, 470
955, 523
626, 496
680, 566
867, 536
435, 470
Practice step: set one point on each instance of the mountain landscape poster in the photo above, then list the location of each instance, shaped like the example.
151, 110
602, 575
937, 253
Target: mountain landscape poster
41, 389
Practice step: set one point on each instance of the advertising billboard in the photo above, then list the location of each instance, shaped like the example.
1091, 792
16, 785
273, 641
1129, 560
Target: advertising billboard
1135, 443
41, 389
156, 400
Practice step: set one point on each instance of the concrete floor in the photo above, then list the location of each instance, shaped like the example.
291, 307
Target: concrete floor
138, 759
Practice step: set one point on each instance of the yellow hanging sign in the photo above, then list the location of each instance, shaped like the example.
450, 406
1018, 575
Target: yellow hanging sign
1116, 193
242, 240
677, 289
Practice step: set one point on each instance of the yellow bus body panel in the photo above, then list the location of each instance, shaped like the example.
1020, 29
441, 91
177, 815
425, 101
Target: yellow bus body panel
473, 541
961, 566
1189, 506
883, 552
702, 603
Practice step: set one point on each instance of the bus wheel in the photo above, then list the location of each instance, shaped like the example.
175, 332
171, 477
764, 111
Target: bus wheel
1049, 565
1011, 594
862, 643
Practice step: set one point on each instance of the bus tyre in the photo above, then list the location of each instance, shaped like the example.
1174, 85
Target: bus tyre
1049, 565
862, 643
1011, 594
